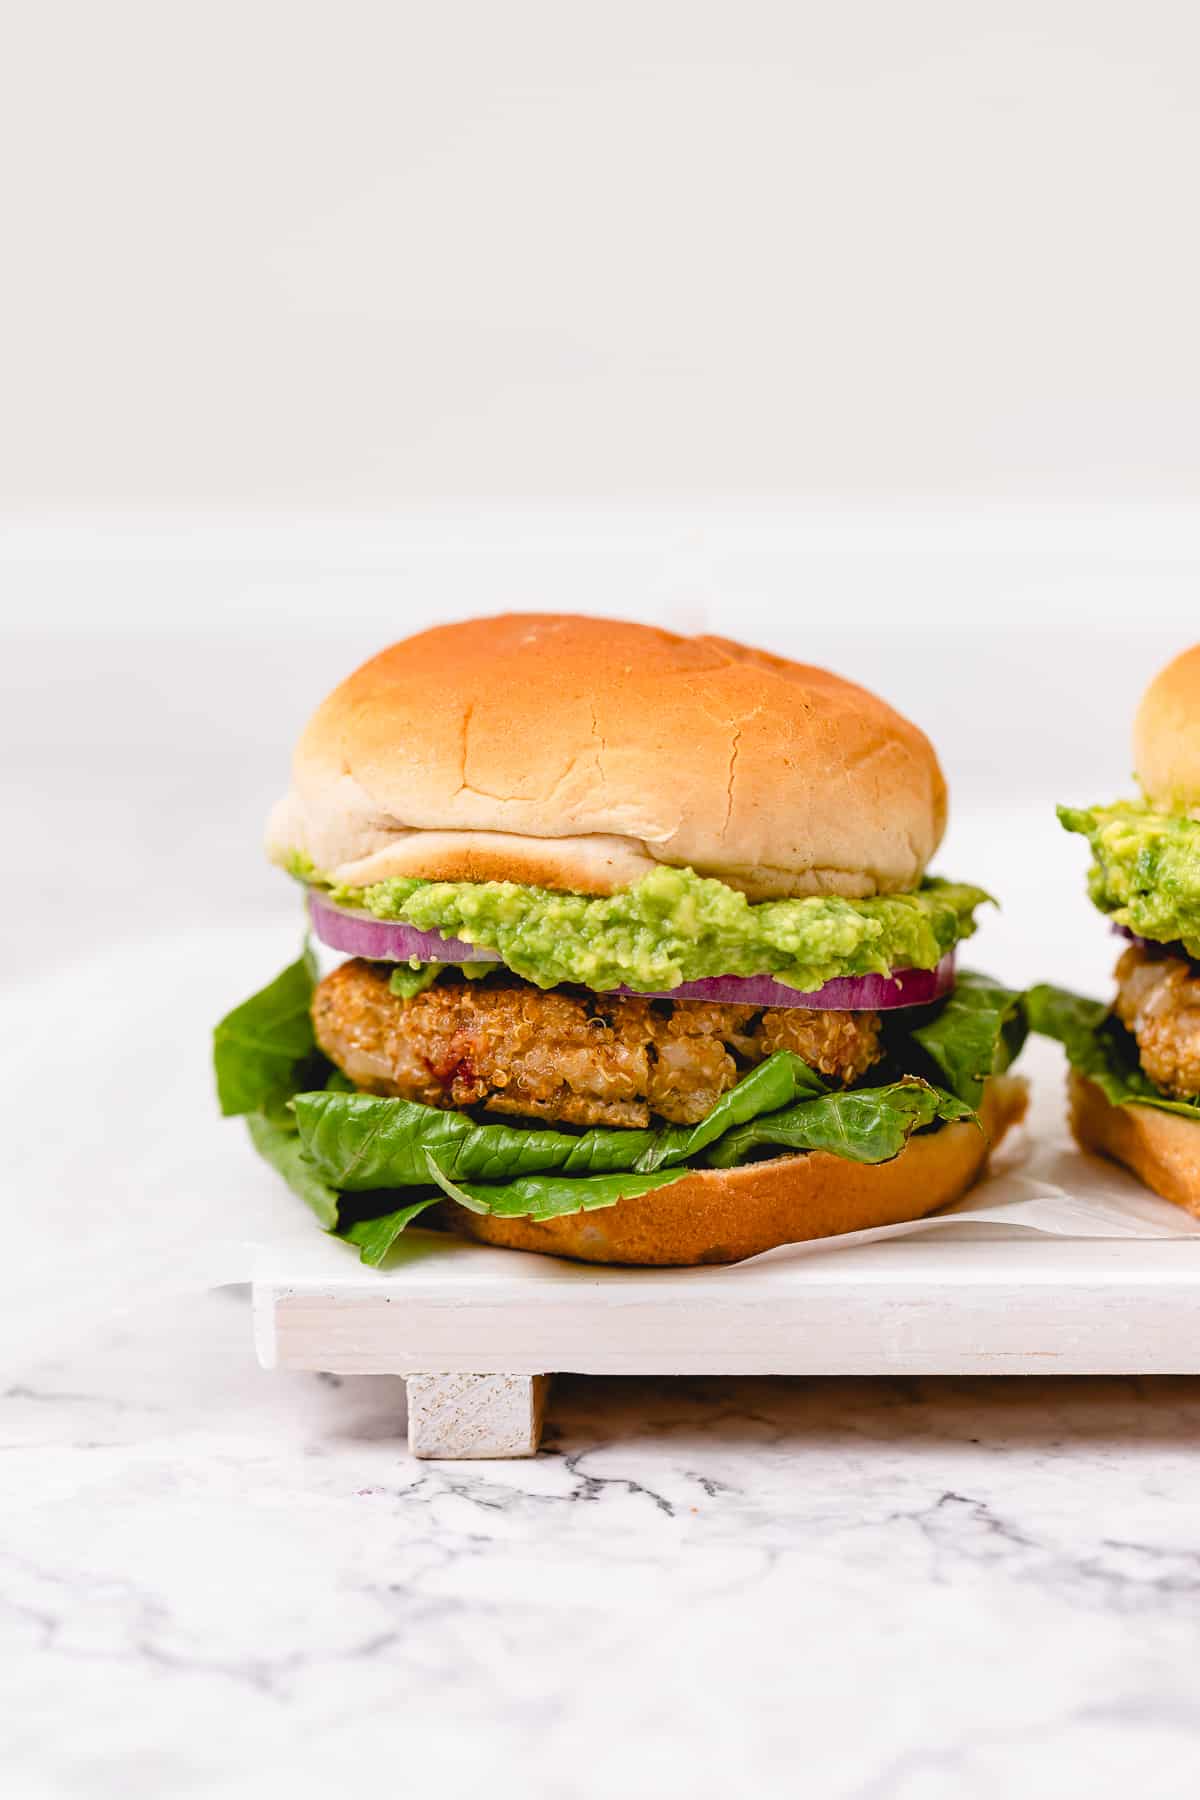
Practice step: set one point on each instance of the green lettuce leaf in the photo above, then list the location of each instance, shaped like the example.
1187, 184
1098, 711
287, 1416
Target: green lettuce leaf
1098, 1045
550, 1196
977, 1031
777, 1082
865, 1125
373, 1238
360, 1142
264, 1050
281, 1147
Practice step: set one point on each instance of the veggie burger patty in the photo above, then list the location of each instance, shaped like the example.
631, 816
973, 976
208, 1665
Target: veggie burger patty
569, 1056
1158, 1000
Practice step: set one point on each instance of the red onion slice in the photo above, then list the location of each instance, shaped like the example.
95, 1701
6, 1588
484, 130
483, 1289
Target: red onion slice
845, 993
386, 940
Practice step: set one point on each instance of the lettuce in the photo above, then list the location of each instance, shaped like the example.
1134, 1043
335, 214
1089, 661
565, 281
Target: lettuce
367, 1167
777, 1082
977, 1031
550, 1196
865, 1125
264, 1050
360, 1142
373, 1238
1098, 1045
263, 1053
281, 1147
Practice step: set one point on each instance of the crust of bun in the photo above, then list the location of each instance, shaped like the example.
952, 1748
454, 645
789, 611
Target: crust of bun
1163, 1149
579, 752
1166, 736
724, 1215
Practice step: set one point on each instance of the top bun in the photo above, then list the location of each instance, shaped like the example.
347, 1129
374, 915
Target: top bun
578, 753
1166, 736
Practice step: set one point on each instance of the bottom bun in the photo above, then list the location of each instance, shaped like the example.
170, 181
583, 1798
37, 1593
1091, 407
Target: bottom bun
1163, 1148
723, 1215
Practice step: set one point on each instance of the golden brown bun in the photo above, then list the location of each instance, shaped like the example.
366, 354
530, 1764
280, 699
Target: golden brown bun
1162, 1148
579, 753
1166, 736
723, 1215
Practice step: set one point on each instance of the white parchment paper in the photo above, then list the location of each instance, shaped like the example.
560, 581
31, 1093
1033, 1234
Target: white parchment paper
125, 1186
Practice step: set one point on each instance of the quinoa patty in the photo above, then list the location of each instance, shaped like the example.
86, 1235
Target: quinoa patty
583, 1059
1158, 999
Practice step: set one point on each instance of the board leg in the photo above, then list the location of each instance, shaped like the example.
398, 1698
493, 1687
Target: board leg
471, 1416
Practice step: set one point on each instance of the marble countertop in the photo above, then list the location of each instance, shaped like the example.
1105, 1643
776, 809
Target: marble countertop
215, 1580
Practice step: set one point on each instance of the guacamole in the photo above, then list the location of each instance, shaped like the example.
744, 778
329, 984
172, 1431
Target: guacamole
675, 926
1146, 869
408, 979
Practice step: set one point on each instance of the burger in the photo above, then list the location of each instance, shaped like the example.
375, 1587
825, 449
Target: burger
1134, 1082
642, 962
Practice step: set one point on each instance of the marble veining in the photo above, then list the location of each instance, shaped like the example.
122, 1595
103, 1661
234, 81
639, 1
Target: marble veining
215, 1580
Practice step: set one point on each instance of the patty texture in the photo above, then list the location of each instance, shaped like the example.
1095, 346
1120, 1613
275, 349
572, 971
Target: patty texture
578, 1058
1158, 999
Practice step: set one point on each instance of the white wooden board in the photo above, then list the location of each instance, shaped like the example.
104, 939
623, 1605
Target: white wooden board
984, 1301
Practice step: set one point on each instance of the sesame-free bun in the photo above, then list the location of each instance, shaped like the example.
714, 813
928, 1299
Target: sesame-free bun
1162, 1148
578, 753
724, 1215
1166, 736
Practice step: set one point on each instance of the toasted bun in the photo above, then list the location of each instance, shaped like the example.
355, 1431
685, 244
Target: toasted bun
1162, 1148
578, 753
1166, 736
723, 1215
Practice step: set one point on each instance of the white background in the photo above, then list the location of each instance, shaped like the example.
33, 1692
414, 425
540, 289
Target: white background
296, 254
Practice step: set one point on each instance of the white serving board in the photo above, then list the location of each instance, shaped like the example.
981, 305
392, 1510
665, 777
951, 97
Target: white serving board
982, 1302
985, 1301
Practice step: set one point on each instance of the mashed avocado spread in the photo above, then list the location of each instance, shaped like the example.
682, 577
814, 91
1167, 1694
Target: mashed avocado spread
1146, 869
675, 926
